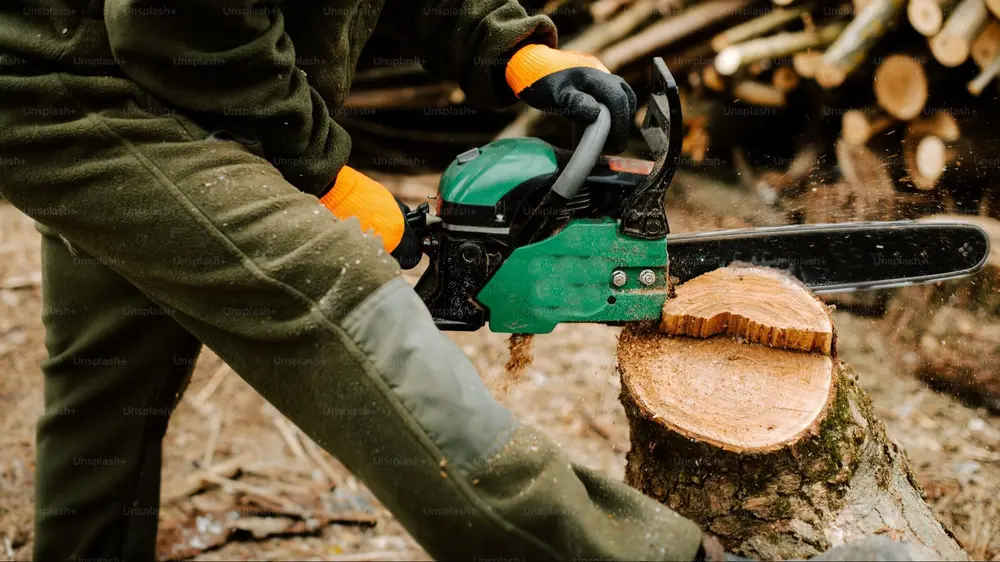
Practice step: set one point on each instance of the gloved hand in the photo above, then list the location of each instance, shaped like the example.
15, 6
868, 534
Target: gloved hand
356, 195
574, 83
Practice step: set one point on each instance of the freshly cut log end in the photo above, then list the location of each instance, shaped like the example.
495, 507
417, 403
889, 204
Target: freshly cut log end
951, 47
738, 397
931, 157
728, 61
986, 47
926, 16
949, 50
857, 128
760, 305
722, 390
901, 87
807, 63
830, 76
774, 451
926, 156
854, 127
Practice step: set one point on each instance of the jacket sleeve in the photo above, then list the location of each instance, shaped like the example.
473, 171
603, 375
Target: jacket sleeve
230, 64
468, 41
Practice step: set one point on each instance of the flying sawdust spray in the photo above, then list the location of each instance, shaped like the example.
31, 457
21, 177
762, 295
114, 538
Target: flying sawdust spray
518, 361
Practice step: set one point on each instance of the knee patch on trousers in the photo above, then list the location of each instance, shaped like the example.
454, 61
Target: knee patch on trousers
430, 375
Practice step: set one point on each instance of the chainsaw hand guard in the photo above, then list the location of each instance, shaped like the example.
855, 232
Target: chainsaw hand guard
644, 214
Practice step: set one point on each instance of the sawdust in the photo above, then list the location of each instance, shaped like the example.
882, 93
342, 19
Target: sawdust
518, 361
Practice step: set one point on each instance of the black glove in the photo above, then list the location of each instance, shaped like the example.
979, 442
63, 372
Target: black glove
573, 84
409, 251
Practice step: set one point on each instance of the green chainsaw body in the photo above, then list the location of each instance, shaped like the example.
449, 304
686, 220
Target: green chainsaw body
515, 248
565, 278
497, 169
568, 275
523, 296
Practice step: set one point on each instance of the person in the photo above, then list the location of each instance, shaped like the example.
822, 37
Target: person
190, 182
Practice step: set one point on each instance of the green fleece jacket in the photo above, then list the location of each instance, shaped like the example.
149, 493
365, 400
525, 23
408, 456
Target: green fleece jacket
272, 71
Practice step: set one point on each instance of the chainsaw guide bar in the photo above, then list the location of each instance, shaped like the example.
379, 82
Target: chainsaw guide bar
840, 257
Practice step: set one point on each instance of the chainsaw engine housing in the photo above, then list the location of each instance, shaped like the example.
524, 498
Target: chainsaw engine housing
507, 252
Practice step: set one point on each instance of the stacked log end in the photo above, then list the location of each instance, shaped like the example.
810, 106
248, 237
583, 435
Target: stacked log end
952, 45
888, 67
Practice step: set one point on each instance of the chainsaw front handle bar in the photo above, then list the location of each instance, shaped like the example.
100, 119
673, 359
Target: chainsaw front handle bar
584, 157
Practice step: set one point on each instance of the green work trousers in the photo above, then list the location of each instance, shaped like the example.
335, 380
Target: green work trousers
161, 236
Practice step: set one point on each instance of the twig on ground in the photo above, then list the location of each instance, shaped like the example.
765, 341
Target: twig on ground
218, 377
213, 438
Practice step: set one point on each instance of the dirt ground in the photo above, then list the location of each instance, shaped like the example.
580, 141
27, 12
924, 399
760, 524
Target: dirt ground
294, 502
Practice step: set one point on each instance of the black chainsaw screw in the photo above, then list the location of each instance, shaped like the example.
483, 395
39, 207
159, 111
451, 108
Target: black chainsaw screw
470, 252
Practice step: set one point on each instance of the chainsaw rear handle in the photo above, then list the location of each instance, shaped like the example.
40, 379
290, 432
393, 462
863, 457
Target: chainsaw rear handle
585, 156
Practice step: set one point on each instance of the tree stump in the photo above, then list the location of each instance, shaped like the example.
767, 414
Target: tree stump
948, 334
743, 419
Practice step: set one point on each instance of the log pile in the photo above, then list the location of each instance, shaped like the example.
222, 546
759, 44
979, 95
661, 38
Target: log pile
770, 87
880, 82
743, 419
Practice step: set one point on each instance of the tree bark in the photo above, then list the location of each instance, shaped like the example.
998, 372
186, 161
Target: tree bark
948, 334
743, 419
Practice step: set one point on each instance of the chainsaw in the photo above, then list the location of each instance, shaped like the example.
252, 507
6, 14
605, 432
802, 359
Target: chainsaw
526, 235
